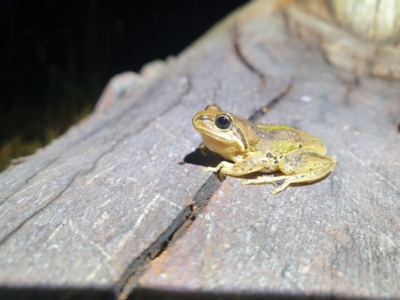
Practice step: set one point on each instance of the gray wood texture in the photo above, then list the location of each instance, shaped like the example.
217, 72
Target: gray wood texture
120, 207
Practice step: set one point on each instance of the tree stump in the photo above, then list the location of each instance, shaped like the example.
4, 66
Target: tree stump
119, 206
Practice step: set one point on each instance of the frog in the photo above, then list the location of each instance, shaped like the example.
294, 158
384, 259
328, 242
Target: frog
250, 147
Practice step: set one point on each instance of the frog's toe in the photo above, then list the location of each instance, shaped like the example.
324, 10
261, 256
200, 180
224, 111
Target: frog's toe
275, 191
259, 179
251, 181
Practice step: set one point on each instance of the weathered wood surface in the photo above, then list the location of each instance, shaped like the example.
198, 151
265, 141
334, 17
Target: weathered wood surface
109, 210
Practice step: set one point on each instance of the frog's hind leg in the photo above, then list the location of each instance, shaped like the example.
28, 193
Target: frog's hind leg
298, 166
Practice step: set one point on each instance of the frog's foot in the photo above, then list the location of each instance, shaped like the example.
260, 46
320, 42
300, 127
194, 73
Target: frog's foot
222, 168
281, 182
215, 170
209, 169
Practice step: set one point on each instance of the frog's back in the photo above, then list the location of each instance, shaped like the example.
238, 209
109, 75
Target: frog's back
288, 136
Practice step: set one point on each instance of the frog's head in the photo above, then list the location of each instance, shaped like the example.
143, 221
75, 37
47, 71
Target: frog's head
223, 132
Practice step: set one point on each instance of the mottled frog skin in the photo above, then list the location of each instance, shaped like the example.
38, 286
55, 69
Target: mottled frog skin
262, 148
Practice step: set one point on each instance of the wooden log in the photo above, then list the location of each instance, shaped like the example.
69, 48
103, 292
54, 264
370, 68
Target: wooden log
120, 207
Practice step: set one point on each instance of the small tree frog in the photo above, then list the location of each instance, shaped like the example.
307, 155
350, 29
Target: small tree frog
261, 148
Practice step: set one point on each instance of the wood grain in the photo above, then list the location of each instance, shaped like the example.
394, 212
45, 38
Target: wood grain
120, 207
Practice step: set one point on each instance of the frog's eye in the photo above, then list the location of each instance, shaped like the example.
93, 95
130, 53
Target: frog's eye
223, 121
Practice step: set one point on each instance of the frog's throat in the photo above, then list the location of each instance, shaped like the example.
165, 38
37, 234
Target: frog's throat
211, 135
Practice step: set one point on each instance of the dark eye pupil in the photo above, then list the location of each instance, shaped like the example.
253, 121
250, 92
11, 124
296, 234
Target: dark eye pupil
223, 122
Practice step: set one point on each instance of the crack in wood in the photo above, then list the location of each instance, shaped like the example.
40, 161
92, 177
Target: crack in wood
91, 133
84, 172
90, 169
263, 110
189, 211
145, 95
239, 53
12, 232
18, 189
129, 280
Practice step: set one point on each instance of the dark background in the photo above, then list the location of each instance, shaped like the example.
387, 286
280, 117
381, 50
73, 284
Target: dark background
57, 56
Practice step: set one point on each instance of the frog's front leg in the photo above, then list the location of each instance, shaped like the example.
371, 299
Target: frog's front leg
299, 166
252, 163
203, 149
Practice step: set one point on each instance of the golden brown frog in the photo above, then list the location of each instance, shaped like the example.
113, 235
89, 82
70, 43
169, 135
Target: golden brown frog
263, 148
